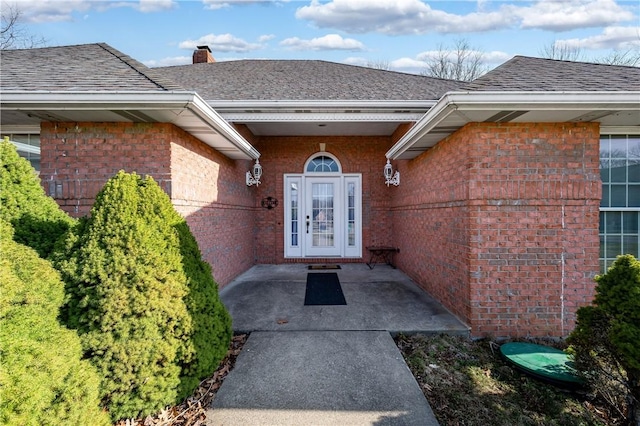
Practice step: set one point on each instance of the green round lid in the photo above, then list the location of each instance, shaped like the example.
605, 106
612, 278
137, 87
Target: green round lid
541, 361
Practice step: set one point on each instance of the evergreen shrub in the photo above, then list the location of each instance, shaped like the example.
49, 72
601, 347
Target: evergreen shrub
43, 380
606, 340
211, 334
36, 218
141, 300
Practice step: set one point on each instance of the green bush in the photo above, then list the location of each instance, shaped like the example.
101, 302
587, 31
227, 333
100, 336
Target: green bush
136, 294
36, 218
212, 330
43, 380
606, 340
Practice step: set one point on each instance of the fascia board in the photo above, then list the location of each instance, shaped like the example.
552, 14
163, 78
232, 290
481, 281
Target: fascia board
545, 100
552, 101
200, 107
94, 100
185, 101
320, 117
423, 126
320, 105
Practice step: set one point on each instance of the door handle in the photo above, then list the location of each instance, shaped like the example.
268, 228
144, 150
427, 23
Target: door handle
307, 224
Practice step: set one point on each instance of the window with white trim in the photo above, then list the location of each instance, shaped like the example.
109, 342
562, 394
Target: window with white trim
620, 204
323, 164
28, 146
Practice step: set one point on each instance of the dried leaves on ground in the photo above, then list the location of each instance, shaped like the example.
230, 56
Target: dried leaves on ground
467, 383
192, 412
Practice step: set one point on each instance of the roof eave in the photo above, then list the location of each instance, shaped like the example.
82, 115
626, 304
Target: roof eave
176, 107
321, 111
459, 102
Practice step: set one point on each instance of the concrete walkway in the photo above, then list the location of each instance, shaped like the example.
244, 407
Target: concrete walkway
317, 365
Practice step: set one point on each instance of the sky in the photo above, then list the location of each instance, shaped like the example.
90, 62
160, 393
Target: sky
396, 34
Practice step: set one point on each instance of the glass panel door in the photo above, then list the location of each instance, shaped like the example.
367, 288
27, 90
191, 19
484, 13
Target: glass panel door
323, 219
322, 215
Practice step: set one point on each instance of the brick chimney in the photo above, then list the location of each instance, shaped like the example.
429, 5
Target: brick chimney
202, 55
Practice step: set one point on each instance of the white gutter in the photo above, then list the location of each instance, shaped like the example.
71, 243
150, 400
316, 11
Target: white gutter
498, 101
423, 126
209, 115
94, 100
544, 100
320, 105
116, 100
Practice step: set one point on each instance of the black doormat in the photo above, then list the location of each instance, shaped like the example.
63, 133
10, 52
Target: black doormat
324, 266
324, 289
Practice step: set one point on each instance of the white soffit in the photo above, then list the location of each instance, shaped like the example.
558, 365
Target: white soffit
322, 117
454, 110
184, 109
249, 111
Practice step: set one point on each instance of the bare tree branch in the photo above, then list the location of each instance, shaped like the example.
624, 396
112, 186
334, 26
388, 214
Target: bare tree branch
12, 33
630, 57
460, 63
379, 64
561, 52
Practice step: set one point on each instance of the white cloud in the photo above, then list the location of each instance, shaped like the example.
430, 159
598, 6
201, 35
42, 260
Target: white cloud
149, 6
419, 17
496, 57
215, 4
356, 60
221, 43
328, 42
167, 62
219, 4
554, 15
397, 17
39, 11
617, 38
265, 38
408, 64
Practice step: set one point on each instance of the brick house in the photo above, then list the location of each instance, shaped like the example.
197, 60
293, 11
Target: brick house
516, 189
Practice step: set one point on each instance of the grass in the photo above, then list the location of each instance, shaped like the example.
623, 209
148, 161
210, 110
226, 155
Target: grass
467, 383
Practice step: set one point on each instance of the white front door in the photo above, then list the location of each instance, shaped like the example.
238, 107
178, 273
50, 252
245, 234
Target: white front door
323, 216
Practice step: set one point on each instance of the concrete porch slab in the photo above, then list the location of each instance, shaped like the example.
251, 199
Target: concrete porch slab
271, 298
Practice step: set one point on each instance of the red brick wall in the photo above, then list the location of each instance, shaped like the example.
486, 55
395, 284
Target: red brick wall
431, 222
78, 158
507, 218
284, 155
209, 190
205, 186
498, 221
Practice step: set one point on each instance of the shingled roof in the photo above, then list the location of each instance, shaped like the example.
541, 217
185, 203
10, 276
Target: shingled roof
87, 67
303, 80
528, 74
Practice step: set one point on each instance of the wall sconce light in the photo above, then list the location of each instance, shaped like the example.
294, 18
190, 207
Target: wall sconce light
389, 177
254, 179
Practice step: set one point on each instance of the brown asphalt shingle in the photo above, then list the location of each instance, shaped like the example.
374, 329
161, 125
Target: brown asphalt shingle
99, 67
535, 74
87, 67
303, 80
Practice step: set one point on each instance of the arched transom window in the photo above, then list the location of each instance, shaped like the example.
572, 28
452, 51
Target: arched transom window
323, 164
